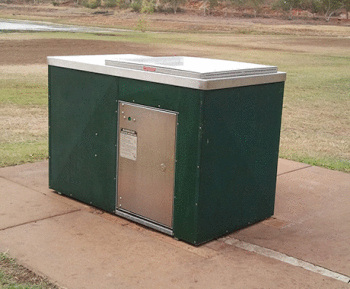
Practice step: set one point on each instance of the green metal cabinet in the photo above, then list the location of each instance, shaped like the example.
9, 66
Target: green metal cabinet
226, 145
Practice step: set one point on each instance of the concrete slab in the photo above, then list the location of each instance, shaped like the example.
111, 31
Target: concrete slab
311, 220
85, 250
286, 166
32, 175
20, 205
35, 177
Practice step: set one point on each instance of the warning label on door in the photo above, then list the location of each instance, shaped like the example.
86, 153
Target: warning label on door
128, 144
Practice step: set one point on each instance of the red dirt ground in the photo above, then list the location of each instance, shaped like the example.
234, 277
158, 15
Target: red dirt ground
35, 51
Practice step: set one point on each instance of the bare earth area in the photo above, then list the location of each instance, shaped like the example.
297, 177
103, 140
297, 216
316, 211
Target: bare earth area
19, 52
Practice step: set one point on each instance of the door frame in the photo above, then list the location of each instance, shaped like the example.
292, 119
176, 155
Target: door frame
131, 215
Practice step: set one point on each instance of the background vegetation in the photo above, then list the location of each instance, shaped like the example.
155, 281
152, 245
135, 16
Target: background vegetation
292, 8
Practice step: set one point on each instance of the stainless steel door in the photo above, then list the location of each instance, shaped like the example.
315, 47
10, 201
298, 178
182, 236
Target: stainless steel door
146, 162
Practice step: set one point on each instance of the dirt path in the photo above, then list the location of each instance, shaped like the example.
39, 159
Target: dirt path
35, 51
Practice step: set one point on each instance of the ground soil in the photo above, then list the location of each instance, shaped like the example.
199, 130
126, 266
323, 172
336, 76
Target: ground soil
35, 51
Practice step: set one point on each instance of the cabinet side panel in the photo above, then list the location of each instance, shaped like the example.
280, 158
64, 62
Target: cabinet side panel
239, 157
82, 135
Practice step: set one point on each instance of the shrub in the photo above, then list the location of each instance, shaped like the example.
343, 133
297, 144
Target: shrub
136, 5
141, 24
147, 6
175, 4
92, 4
110, 3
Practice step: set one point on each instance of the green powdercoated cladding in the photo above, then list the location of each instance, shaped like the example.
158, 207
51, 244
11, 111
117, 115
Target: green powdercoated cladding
82, 136
226, 147
239, 154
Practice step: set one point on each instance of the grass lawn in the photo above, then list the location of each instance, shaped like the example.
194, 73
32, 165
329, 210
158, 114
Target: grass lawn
316, 113
23, 114
15, 276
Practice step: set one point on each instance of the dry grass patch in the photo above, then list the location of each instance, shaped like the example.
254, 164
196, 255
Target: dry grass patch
14, 71
23, 84
23, 134
23, 114
13, 275
19, 123
317, 133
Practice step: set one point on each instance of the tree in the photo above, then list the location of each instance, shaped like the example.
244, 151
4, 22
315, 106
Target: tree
289, 5
347, 7
330, 7
327, 7
175, 4
255, 4
312, 5
147, 6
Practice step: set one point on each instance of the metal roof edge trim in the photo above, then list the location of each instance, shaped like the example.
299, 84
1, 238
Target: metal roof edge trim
201, 84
